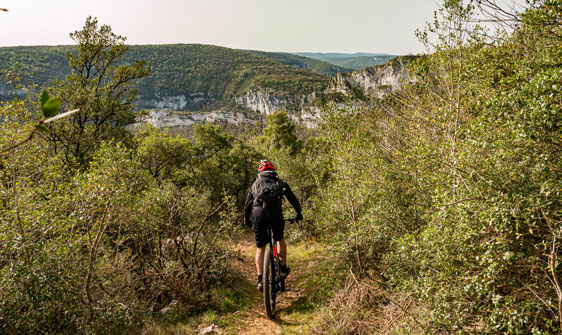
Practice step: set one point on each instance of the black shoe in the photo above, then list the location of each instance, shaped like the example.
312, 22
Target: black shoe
259, 285
285, 270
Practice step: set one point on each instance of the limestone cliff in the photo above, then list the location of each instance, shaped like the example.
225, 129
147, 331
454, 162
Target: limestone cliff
8, 92
373, 82
163, 118
369, 83
177, 102
262, 102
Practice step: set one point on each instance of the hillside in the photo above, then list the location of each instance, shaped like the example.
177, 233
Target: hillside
43, 62
219, 71
202, 72
202, 83
215, 83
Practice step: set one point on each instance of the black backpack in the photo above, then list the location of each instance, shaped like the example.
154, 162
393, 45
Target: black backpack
267, 190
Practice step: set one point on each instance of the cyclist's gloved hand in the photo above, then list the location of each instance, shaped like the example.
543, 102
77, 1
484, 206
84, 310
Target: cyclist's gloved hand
299, 217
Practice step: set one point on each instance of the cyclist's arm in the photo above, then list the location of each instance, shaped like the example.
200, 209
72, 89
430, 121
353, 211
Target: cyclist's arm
292, 198
248, 207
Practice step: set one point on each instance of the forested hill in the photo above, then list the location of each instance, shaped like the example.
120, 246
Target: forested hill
184, 69
219, 71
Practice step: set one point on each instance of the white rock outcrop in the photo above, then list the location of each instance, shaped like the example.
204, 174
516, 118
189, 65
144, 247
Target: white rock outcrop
262, 102
174, 102
374, 82
186, 109
162, 118
7, 90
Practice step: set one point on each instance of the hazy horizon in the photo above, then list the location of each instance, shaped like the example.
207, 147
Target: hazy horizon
358, 53
316, 26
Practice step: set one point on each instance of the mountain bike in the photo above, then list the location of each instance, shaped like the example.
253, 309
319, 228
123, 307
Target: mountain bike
273, 283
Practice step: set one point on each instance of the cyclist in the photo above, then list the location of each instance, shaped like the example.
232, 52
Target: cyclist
263, 203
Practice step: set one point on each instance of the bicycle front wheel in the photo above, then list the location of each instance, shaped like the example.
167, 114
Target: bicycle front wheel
269, 292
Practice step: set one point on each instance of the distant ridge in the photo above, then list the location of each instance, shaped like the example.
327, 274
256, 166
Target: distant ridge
309, 63
356, 61
320, 55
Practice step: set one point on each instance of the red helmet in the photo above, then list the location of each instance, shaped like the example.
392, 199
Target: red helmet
266, 165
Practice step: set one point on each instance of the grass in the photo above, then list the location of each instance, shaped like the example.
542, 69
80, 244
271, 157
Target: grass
232, 304
316, 278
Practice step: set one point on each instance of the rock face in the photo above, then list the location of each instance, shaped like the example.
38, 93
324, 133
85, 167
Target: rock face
185, 110
8, 91
262, 102
178, 102
175, 102
374, 82
163, 118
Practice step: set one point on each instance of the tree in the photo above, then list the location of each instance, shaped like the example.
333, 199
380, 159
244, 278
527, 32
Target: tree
280, 133
162, 154
101, 88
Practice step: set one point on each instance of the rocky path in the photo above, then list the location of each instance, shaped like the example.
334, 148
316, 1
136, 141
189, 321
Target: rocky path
257, 321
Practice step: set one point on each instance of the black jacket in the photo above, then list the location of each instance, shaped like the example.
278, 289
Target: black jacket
287, 192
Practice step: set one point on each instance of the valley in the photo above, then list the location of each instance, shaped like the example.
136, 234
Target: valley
429, 186
203, 83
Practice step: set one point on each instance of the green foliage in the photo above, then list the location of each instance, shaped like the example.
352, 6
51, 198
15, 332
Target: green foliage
97, 251
222, 164
163, 155
280, 134
49, 108
212, 162
100, 248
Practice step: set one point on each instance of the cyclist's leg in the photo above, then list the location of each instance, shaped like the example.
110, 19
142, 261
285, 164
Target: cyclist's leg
260, 251
261, 238
259, 259
282, 250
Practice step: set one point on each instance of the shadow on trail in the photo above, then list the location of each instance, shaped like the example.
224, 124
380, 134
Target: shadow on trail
300, 305
280, 322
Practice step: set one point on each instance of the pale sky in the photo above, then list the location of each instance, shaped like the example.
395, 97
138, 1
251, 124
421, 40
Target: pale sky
385, 26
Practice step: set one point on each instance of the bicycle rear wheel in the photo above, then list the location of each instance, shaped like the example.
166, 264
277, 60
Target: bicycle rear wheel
269, 285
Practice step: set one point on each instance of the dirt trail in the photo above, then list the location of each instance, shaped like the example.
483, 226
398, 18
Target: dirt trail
257, 321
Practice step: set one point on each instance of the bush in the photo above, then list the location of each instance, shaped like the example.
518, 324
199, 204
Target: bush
101, 250
457, 200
